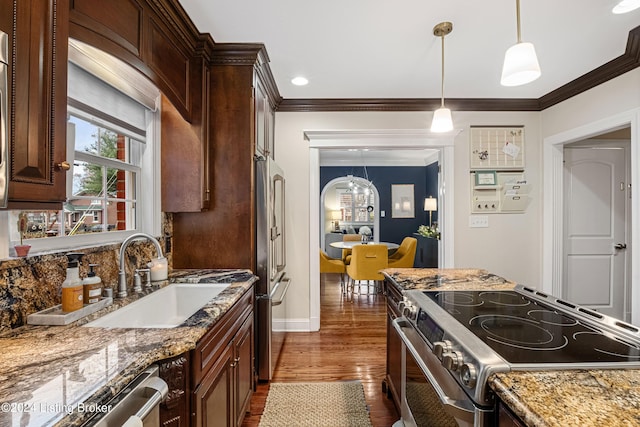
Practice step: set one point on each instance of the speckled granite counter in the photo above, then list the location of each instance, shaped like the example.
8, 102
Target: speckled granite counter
570, 398
62, 375
580, 398
446, 279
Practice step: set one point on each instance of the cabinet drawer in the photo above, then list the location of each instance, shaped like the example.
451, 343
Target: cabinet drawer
214, 343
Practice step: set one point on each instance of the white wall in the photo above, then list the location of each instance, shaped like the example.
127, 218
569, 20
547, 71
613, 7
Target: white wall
609, 106
609, 99
510, 247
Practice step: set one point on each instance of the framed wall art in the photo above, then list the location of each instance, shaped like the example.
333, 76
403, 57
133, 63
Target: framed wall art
402, 201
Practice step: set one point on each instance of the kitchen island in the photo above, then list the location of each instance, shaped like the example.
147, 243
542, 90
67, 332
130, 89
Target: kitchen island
63, 375
574, 397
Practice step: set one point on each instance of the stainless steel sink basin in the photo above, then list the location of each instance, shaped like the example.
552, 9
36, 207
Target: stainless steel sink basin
165, 308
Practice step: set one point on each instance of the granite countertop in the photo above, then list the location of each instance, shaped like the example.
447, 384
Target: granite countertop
407, 279
62, 375
580, 398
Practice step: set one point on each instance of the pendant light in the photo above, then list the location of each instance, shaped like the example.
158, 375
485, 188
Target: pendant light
442, 116
520, 61
626, 6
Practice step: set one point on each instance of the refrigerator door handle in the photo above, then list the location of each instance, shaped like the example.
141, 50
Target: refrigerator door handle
284, 283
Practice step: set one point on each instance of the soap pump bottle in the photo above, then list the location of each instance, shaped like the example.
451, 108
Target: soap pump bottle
92, 286
72, 292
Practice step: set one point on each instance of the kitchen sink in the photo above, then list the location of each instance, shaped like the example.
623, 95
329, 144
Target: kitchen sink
165, 308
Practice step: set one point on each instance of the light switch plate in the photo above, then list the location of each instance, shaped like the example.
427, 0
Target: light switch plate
382, 214
478, 221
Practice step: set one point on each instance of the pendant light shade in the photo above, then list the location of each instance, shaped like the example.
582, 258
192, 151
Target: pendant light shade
442, 120
520, 65
520, 61
442, 116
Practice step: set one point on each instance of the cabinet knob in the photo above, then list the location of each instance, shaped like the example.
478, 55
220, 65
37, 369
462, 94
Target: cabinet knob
64, 166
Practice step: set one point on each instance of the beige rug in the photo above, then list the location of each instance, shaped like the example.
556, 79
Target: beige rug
326, 404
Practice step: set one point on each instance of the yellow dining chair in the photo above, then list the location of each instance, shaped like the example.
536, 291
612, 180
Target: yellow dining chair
366, 263
332, 265
346, 253
405, 255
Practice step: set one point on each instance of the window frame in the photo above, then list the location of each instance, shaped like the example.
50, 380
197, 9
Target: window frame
354, 206
148, 203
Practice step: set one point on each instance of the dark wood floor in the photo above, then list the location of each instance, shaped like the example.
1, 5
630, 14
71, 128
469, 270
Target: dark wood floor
350, 345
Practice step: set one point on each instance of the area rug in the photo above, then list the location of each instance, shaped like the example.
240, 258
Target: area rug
325, 404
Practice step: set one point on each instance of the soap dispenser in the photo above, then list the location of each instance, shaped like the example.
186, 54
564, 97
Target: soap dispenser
72, 292
92, 286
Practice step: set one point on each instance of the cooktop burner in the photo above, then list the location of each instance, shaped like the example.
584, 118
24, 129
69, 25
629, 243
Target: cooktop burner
523, 330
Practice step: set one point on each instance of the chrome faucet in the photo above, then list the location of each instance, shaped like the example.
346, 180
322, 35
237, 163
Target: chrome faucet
122, 279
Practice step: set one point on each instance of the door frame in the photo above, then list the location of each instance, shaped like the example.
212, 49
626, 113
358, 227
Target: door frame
394, 138
553, 185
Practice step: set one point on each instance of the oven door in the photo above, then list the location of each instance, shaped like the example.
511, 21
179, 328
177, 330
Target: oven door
430, 396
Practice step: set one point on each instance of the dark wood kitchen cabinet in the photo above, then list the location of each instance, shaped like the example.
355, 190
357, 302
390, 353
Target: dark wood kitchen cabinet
212, 385
393, 379
38, 32
159, 39
506, 418
223, 396
223, 368
156, 37
175, 410
239, 75
264, 120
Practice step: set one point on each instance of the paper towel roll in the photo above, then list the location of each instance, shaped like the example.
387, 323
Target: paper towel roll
133, 421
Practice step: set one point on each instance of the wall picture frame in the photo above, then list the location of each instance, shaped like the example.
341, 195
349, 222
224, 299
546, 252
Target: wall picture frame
402, 201
486, 178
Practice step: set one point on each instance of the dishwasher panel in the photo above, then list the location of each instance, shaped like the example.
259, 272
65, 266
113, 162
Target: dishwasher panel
137, 404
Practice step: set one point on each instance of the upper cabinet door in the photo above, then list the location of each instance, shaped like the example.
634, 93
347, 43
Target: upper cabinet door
156, 37
260, 107
38, 103
117, 22
264, 120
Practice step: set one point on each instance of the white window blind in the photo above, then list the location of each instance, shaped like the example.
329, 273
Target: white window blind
88, 92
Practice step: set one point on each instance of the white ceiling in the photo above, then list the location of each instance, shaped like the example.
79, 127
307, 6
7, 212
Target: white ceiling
386, 49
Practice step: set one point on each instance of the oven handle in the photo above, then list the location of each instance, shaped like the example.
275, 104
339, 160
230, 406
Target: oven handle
456, 408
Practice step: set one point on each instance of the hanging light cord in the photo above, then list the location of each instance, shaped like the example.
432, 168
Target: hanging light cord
442, 79
518, 19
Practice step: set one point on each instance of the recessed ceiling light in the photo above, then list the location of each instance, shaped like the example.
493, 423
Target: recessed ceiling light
299, 81
625, 6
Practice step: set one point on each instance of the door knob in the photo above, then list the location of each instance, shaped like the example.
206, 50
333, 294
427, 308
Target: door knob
621, 246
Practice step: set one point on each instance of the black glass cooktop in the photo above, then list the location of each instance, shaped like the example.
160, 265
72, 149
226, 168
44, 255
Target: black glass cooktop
523, 330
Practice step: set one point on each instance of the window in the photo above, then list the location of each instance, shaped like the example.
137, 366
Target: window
354, 204
111, 124
106, 178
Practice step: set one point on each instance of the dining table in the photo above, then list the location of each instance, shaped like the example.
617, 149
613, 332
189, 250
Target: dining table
351, 244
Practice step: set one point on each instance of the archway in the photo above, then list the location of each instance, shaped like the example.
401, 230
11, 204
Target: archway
327, 205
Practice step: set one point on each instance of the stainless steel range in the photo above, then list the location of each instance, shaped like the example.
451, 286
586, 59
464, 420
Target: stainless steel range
457, 339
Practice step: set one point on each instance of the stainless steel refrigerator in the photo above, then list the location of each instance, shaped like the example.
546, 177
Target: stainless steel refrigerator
271, 263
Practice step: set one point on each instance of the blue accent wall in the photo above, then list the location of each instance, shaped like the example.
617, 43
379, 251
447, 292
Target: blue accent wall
424, 179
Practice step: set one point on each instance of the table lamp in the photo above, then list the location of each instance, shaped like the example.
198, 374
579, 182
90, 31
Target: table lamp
336, 216
430, 204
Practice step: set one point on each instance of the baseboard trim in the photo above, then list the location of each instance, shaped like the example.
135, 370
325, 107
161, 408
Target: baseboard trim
292, 325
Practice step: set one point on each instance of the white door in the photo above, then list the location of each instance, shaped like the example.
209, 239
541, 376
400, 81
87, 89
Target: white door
596, 216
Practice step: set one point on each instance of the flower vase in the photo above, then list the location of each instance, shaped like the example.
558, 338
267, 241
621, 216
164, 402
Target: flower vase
22, 250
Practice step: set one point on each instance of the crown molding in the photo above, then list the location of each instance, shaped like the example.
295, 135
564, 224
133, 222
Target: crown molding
408, 104
626, 62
